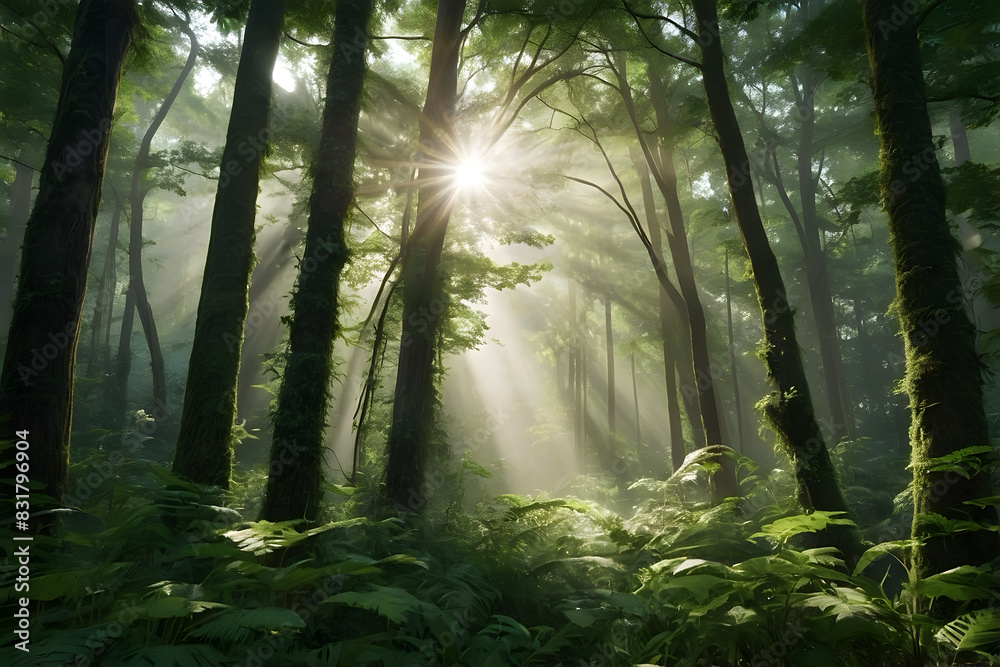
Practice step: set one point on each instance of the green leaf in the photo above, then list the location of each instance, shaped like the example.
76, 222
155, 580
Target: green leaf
976, 630
895, 548
392, 603
580, 617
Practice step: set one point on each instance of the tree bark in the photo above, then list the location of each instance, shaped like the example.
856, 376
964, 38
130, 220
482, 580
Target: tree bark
943, 372
20, 207
204, 449
423, 300
789, 409
294, 485
36, 388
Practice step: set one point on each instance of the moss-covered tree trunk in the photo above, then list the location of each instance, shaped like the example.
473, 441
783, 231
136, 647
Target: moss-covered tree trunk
943, 371
294, 485
36, 388
789, 409
423, 301
204, 448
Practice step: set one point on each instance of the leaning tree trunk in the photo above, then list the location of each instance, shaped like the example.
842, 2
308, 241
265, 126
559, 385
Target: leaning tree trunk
36, 388
20, 206
661, 166
204, 448
137, 286
294, 484
790, 408
677, 450
423, 300
943, 371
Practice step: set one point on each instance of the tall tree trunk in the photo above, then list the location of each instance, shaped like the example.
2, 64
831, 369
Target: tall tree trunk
204, 448
790, 409
959, 136
136, 198
661, 166
20, 207
816, 269
294, 485
679, 252
36, 388
100, 330
667, 336
943, 372
423, 300
609, 348
737, 404
575, 367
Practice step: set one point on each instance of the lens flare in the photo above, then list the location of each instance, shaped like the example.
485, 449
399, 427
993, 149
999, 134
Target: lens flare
470, 173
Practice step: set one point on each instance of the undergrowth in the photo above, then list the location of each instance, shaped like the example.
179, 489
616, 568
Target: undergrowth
153, 570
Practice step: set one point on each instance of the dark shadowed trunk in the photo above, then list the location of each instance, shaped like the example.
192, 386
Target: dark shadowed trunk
294, 485
423, 300
790, 408
204, 449
36, 388
943, 372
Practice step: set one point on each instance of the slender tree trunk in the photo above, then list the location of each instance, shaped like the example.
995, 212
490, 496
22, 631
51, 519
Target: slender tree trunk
575, 367
20, 207
423, 300
36, 388
790, 410
816, 269
137, 197
610, 352
635, 401
959, 136
737, 404
667, 336
294, 485
943, 372
204, 448
677, 243
661, 165
100, 331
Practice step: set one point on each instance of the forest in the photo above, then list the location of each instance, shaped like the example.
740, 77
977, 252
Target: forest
485, 333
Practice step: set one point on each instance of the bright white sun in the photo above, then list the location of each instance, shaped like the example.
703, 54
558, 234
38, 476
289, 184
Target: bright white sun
470, 173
